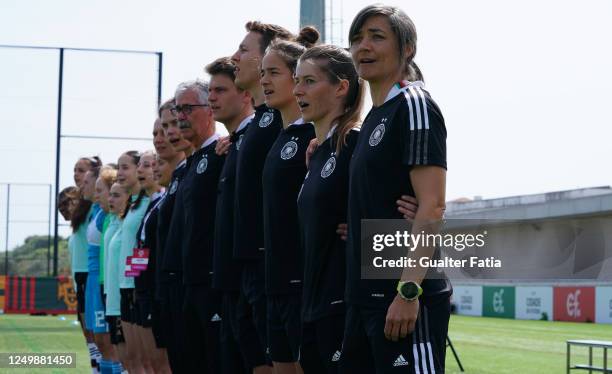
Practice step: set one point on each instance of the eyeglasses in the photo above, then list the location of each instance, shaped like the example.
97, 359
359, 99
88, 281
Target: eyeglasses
185, 108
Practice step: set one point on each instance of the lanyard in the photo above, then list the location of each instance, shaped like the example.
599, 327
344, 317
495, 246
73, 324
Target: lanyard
146, 217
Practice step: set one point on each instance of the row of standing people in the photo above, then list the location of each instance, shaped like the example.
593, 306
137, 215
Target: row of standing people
257, 256
108, 210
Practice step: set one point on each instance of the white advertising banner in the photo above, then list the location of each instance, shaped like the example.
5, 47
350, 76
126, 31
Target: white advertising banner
603, 305
468, 300
533, 302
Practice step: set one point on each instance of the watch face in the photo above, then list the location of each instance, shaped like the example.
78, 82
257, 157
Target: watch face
410, 290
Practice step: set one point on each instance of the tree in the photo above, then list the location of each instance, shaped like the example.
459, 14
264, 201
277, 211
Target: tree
30, 258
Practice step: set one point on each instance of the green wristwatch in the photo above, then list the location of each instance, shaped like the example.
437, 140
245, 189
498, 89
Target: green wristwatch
409, 291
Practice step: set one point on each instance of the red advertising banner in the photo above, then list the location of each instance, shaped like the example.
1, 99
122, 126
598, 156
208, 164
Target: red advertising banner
2, 292
39, 295
574, 304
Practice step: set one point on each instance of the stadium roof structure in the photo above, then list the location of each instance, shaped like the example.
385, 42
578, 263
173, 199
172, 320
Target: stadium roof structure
565, 235
592, 201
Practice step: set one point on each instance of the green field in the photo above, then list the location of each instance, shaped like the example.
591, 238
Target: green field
40, 334
495, 345
485, 345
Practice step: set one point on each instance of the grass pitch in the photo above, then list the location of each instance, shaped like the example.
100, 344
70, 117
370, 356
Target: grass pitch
496, 345
484, 345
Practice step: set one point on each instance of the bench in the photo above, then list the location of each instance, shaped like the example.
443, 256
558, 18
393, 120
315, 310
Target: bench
605, 345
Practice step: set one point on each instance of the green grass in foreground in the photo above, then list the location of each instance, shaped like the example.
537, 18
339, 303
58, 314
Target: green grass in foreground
43, 334
496, 345
484, 345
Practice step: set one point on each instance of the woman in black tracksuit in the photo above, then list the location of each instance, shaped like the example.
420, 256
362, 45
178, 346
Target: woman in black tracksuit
283, 174
394, 325
330, 95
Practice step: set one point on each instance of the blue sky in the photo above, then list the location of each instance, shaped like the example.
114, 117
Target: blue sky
523, 85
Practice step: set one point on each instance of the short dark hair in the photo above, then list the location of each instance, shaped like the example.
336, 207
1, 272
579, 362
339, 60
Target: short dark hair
223, 66
403, 28
268, 32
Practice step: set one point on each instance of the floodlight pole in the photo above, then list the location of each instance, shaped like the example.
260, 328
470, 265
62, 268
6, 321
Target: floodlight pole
6, 238
49, 233
58, 142
59, 124
159, 78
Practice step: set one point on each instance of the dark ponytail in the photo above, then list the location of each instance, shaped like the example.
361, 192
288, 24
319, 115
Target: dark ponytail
79, 216
95, 171
133, 205
308, 36
413, 72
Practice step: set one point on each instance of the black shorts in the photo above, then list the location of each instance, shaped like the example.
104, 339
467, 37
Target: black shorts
103, 298
237, 315
158, 323
321, 346
202, 319
203, 303
232, 360
128, 307
284, 327
252, 313
81, 283
253, 284
143, 312
116, 332
252, 328
366, 349
173, 321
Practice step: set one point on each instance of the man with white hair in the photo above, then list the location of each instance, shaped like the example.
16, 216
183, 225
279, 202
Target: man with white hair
197, 196
195, 118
